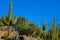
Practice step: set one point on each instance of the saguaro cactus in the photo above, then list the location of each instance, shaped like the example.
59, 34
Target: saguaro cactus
44, 29
11, 19
54, 29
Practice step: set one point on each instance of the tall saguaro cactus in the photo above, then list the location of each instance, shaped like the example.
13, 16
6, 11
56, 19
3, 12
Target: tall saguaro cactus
11, 19
54, 29
44, 29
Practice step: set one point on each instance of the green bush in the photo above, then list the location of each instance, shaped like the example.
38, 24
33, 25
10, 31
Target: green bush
25, 30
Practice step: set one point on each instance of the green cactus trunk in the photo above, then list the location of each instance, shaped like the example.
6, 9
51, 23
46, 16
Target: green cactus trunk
9, 30
57, 34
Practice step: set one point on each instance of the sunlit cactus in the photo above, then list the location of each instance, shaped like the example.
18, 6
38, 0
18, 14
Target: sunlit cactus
26, 21
54, 29
11, 19
22, 26
43, 24
44, 28
57, 34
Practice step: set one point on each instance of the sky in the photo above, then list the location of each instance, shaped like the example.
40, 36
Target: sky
36, 10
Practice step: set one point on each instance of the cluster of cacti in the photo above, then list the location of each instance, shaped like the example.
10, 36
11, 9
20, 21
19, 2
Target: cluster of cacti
22, 21
25, 27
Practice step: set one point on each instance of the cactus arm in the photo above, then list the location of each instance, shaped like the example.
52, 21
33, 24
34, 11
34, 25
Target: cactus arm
5, 20
15, 20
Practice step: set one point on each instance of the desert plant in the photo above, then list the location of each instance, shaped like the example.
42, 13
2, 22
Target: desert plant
10, 19
25, 30
44, 29
54, 29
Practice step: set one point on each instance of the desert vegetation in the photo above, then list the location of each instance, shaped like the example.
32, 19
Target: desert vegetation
12, 27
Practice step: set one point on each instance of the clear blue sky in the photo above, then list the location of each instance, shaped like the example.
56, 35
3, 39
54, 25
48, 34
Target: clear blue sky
36, 10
